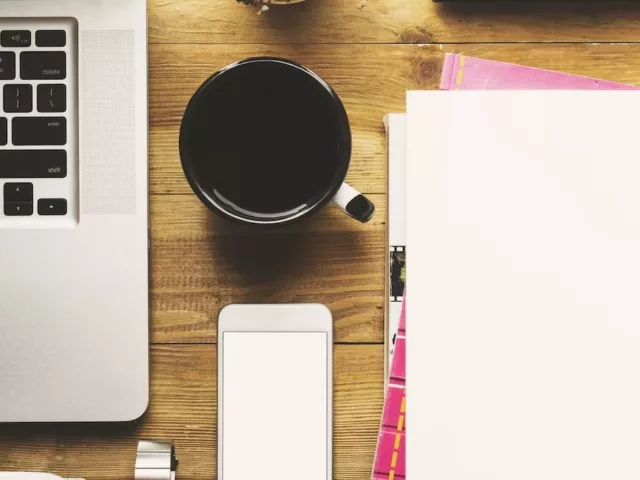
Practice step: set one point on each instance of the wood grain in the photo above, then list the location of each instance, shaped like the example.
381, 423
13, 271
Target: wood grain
353, 71
183, 408
397, 21
201, 263
367, 52
370, 79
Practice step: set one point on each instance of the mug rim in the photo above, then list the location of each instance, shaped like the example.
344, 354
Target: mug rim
188, 162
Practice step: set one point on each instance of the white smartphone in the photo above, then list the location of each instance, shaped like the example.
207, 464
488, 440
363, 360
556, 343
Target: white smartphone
275, 392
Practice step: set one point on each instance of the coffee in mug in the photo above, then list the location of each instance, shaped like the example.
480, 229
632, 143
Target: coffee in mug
267, 141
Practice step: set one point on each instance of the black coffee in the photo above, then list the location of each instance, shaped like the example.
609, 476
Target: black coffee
267, 139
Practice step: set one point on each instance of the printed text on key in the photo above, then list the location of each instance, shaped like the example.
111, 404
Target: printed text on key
43, 65
39, 131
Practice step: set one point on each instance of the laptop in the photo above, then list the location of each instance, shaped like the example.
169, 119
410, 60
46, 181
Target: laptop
74, 305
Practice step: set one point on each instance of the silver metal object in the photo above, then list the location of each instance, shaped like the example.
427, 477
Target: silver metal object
156, 460
74, 289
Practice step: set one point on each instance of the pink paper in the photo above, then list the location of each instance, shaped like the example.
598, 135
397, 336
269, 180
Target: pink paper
469, 73
390, 456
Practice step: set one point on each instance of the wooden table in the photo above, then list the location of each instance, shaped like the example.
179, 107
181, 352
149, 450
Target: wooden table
368, 52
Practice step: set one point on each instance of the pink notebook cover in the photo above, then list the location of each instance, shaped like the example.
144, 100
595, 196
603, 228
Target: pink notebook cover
469, 73
460, 73
390, 457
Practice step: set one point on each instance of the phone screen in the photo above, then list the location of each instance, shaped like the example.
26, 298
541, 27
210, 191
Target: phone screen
274, 405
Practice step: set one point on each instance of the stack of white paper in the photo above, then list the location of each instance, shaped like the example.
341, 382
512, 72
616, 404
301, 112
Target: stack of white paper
524, 265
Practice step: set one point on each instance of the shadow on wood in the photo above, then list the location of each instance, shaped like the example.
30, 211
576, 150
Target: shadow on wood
73, 431
267, 263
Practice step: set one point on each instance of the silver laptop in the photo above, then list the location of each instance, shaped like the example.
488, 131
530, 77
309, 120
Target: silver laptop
73, 211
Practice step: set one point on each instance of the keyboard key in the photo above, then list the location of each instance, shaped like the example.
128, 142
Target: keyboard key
7, 65
33, 163
51, 38
39, 131
52, 98
18, 98
18, 209
15, 38
3, 132
52, 206
18, 192
43, 65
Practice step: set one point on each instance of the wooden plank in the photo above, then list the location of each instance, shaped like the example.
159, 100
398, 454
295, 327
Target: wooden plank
178, 70
183, 408
397, 21
201, 263
370, 79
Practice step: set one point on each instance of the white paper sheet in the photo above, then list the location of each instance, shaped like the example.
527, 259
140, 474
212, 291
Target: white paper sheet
524, 262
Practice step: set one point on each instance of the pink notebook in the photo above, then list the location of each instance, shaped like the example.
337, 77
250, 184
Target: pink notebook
390, 457
468, 73
460, 73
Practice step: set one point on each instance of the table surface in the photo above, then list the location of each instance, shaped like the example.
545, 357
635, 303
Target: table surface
368, 51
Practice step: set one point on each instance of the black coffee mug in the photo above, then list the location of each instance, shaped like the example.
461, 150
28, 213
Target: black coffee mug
267, 141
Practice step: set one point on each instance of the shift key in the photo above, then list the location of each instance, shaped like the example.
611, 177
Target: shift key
39, 131
33, 163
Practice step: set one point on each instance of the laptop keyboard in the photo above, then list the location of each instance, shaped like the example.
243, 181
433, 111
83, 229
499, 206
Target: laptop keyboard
35, 115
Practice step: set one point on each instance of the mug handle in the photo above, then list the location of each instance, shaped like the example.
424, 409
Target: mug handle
353, 203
